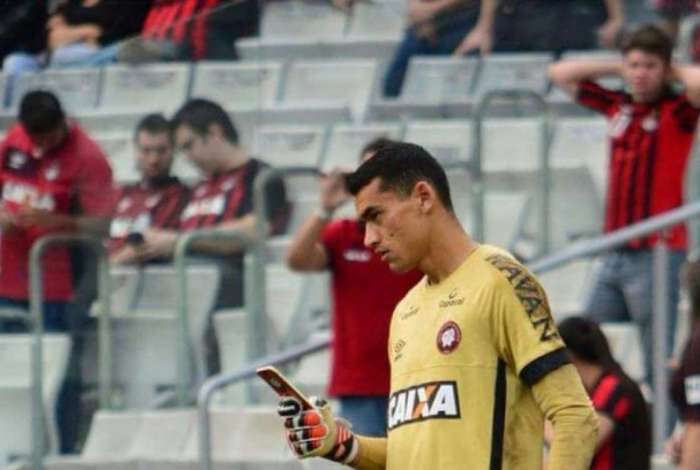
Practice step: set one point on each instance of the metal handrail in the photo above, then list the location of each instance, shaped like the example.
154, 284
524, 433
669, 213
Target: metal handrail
36, 292
586, 248
206, 392
544, 174
184, 347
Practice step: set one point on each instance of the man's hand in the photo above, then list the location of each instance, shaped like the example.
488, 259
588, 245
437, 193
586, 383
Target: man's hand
157, 244
421, 11
333, 191
674, 447
480, 38
608, 33
30, 217
317, 433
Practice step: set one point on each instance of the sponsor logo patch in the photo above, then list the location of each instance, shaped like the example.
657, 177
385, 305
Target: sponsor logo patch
452, 300
433, 400
449, 337
398, 348
412, 310
359, 256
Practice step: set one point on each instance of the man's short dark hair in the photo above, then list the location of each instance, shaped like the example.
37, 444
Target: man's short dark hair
649, 39
199, 114
399, 166
154, 123
375, 145
584, 338
40, 112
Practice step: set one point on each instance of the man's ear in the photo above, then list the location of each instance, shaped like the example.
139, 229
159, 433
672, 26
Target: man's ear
425, 195
215, 130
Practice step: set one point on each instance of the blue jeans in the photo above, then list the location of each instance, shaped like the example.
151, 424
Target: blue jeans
623, 291
451, 29
57, 319
367, 414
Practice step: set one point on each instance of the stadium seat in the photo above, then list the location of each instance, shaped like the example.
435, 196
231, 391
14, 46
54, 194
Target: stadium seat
517, 153
242, 85
306, 19
230, 327
112, 122
2, 90
447, 140
522, 71
349, 82
293, 145
313, 373
15, 390
626, 347
383, 18
290, 49
439, 79
78, 89
119, 149
346, 142
145, 86
566, 288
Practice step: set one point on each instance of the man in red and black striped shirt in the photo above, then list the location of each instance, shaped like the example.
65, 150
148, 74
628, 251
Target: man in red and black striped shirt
651, 130
154, 202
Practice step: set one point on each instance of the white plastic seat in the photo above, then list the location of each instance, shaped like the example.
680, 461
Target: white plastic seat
510, 145
119, 149
294, 19
231, 334
292, 145
626, 347
313, 373
522, 71
15, 391
145, 86
239, 85
346, 142
439, 79
449, 141
566, 288
348, 82
300, 48
380, 18
111, 122
77, 89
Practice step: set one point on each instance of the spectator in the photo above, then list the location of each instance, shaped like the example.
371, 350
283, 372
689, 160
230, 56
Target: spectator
192, 30
624, 428
361, 310
435, 28
673, 12
156, 201
685, 386
54, 178
22, 26
78, 30
223, 199
544, 25
651, 132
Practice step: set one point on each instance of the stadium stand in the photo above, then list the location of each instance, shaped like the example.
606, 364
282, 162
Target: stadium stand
139, 87
78, 89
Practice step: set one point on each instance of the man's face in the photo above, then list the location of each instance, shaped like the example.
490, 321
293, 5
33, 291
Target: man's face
154, 154
46, 141
199, 149
395, 227
645, 74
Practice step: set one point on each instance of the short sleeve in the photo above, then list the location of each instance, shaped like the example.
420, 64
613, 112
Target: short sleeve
691, 379
597, 98
331, 238
524, 331
96, 191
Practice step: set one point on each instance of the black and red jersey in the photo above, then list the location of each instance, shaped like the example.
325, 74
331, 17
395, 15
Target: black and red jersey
142, 206
629, 446
229, 196
649, 148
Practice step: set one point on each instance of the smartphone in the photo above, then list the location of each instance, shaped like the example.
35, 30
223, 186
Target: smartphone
134, 239
282, 386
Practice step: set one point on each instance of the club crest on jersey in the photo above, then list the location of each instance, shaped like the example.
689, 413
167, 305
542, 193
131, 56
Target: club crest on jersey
17, 160
433, 400
51, 173
449, 337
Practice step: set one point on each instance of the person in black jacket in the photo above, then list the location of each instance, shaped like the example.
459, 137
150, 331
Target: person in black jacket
22, 26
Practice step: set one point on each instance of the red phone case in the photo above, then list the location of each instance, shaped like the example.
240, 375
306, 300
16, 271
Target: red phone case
282, 386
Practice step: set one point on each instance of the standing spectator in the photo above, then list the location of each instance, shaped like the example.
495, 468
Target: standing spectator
361, 310
192, 30
54, 178
22, 26
544, 25
651, 131
685, 386
156, 201
624, 428
223, 199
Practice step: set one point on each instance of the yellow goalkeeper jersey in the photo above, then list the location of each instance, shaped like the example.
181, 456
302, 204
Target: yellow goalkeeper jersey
463, 355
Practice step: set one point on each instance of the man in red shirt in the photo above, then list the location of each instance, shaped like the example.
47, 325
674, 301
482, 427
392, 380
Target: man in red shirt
54, 178
156, 201
365, 293
651, 131
223, 199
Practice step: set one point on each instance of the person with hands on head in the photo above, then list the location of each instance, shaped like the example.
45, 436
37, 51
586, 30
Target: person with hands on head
365, 292
651, 130
477, 364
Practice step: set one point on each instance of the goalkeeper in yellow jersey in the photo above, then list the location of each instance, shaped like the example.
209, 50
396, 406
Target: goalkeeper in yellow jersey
477, 364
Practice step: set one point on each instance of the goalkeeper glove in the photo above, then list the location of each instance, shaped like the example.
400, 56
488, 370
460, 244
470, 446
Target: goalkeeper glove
316, 432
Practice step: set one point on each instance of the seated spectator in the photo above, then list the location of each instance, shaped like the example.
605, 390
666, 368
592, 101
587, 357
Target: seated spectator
624, 429
223, 199
361, 310
54, 178
685, 385
192, 30
545, 25
77, 31
156, 201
